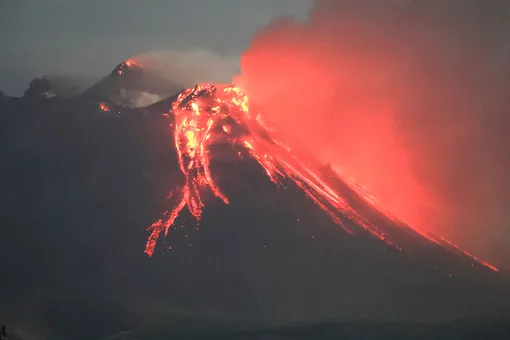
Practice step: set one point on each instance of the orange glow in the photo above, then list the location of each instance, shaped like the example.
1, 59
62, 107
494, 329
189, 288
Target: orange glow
416, 122
334, 116
130, 63
460, 251
194, 129
104, 107
227, 128
200, 115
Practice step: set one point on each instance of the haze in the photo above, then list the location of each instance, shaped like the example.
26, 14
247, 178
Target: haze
91, 37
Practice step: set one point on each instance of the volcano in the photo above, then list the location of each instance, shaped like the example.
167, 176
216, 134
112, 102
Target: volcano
191, 212
209, 114
131, 85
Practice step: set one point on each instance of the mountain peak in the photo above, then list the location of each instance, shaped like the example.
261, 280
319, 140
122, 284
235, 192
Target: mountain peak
127, 65
131, 85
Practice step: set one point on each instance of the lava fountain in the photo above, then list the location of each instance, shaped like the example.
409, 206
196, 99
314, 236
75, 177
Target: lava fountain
207, 113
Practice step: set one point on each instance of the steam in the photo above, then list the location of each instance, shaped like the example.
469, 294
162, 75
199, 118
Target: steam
410, 98
139, 98
190, 67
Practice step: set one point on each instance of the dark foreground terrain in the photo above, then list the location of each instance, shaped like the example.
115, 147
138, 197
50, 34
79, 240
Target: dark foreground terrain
455, 330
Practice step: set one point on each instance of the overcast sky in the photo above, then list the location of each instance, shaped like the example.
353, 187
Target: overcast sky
92, 37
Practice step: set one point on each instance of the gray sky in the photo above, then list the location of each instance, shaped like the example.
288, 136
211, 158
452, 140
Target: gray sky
92, 37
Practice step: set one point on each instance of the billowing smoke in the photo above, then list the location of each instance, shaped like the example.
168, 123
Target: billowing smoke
410, 98
190, 67
139, 98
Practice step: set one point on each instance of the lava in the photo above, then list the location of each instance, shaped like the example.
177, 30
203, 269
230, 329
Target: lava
104, 107
207, 113
438, 240
131, 63
460, 251
127, 65
197, 114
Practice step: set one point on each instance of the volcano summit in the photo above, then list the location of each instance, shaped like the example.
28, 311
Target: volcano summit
131, 84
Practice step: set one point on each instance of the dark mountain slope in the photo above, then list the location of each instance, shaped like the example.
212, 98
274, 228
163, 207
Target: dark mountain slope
130, 84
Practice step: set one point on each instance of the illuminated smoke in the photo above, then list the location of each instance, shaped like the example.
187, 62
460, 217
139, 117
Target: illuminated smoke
200, 116
190, 67
139, 98
206, 114
409, 98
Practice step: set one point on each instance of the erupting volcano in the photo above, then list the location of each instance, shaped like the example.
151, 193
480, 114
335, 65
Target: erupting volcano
243, 225
210, 114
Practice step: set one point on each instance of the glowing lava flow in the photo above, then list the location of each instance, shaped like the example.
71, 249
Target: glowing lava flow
127, 65
439, 240
104, 107
202, 113
206, 113
460, 251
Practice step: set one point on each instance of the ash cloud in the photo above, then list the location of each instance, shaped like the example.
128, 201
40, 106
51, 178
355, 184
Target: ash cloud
409, 97
190, 67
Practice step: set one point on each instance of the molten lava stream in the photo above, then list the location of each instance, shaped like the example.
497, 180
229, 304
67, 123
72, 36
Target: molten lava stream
198, 113
205, 113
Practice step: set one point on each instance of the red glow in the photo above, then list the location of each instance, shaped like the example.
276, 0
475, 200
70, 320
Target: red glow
335, 117
199, 117
130, 63
104, 107
457, 249
194, 130
414, 119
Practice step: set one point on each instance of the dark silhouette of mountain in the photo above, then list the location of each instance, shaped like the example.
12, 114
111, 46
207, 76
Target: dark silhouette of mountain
39, 88
131, 85
79, 185
69, 85
50, 86
453, 330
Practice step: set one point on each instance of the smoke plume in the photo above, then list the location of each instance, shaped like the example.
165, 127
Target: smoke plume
409, 98
190, 67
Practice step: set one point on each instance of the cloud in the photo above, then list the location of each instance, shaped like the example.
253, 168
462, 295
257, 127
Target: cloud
190, 67
409, 97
